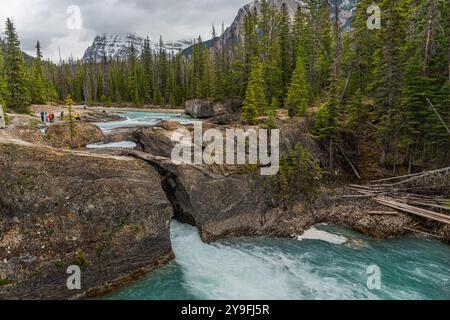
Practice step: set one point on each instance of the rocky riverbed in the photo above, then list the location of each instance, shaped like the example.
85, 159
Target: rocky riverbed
109, 211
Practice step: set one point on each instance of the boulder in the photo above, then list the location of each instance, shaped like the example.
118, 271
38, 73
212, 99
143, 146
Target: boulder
58, 135
101, 117
202, 109
119, 134
154, 140
225, 119
106, 214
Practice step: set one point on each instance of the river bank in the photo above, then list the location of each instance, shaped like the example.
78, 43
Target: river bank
220, 203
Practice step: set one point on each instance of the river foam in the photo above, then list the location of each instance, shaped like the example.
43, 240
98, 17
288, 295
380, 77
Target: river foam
267, 268
315, 234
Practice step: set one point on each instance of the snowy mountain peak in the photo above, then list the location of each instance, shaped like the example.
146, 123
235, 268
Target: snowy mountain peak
118, 46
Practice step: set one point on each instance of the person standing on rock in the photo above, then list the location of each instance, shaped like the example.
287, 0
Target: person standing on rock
62, 115
46, 117
53, 117
42, 117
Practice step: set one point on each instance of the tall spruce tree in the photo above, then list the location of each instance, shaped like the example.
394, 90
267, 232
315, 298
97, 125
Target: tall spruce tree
298, 94
286, 48
4, 93
255, 103
133, 76
15, 72
389, 71
38, 81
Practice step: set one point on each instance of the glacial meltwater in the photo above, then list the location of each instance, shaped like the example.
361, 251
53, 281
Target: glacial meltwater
141, 118
135, 119
327, 262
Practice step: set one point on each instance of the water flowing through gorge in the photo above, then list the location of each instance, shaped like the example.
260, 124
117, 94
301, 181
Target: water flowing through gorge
327, 262
321, 266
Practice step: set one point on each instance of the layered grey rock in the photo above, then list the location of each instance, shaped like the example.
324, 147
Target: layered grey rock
106, 214
220, 200
237, 204
202, 109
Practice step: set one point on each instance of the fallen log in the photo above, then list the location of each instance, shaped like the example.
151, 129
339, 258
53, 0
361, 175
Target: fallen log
411, 175
414, 210
430, 205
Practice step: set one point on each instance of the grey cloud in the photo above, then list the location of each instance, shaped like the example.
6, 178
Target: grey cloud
45, 20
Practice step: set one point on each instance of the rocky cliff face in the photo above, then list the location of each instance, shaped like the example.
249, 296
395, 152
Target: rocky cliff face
106, 214
233, 33
119, 46
201, 109
220, 200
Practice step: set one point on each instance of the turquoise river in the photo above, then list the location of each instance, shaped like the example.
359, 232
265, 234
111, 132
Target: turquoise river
328, 262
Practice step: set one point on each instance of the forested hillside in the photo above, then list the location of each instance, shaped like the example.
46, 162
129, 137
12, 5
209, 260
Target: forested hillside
358, 84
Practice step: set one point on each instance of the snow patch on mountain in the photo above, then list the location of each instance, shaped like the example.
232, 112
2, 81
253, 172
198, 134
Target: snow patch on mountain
115, 46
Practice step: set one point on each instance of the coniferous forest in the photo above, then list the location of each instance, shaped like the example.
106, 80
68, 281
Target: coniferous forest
389, 85
301, 153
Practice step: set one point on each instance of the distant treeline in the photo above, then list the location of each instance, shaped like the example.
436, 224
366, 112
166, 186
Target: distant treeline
362, 83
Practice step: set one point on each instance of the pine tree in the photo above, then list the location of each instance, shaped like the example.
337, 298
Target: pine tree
365, 42
298, 94
133, 77
357, 115
389, 71
255, 102
4, 93
303, 40
148, 82
15, 72
70, 119
324, 31
38, 82
286, 49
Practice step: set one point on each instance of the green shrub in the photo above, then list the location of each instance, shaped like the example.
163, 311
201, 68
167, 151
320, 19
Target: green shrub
5, 282
299, 175
81, 260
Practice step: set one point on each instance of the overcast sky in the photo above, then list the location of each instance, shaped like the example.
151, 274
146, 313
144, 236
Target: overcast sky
55, 23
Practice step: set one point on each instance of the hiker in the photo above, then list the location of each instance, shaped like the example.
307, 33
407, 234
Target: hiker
50, 118
42, 116
53, 117
62, 115
46, 117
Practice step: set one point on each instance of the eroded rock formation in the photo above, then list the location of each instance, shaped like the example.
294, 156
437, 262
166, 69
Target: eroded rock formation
59, 136
109, 215
202, 109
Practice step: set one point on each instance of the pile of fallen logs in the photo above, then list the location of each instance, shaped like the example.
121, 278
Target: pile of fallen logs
423, 194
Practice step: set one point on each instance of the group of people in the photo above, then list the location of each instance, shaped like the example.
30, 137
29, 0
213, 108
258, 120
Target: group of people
50, 117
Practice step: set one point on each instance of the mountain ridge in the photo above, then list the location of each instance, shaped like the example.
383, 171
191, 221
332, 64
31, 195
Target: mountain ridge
118, 46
